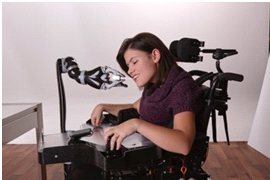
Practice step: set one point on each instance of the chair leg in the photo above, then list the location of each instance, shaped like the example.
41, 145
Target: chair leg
214, 125
226, 127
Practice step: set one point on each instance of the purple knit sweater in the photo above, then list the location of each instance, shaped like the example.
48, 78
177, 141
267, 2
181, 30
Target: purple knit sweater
179, 93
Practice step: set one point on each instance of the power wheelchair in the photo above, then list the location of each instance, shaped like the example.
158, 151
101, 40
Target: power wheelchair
147, 161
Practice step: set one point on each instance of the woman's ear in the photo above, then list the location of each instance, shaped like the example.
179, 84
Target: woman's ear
156, 55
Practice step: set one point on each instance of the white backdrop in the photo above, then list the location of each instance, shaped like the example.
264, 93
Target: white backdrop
259, 134
34, 35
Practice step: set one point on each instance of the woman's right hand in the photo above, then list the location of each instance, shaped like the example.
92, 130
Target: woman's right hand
96, 115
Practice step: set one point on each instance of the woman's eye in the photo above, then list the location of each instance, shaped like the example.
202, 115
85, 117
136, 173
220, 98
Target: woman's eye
135, 61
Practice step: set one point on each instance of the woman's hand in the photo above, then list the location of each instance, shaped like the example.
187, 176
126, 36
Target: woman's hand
96, 115
120, 132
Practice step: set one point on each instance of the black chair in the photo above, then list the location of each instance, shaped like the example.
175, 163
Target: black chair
153, 162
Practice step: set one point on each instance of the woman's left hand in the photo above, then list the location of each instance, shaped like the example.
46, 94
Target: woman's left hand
120, 132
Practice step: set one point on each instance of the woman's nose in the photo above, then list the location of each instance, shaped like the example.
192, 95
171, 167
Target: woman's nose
130, 71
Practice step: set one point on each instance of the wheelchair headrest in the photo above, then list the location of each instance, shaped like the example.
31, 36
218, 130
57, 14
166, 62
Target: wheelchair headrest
186, 49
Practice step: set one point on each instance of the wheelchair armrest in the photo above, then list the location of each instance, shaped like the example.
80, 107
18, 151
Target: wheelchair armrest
230, 77
196, 73
123, 115
126, 114
203, 76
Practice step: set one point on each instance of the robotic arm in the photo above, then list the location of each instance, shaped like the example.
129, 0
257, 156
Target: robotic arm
102, 77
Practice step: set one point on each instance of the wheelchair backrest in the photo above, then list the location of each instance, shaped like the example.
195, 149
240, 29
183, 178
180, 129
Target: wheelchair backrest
202, 118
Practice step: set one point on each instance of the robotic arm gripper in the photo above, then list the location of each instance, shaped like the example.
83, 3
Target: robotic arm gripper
102, 77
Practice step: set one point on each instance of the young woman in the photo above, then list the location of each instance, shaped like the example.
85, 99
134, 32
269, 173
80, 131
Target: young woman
167, 108
170, 97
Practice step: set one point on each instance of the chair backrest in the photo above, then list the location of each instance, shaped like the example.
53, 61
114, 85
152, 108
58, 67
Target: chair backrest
215, 98
202, 118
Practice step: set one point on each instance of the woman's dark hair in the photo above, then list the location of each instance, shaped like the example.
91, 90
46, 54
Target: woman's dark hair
147, 42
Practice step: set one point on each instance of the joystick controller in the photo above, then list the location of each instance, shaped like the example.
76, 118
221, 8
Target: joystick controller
80, 133
74, 136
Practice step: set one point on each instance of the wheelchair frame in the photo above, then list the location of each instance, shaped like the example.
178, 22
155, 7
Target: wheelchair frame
162, 164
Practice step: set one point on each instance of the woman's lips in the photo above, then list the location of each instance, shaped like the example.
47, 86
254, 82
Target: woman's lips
135, 77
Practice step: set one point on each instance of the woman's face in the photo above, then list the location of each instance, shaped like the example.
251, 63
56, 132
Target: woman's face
142, 67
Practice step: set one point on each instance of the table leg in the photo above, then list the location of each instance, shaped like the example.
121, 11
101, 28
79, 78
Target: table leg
42, 172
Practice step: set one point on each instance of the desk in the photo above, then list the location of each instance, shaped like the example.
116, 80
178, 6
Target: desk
19, 118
